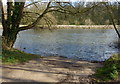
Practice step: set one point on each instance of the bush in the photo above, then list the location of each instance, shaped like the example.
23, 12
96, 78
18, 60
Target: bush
110, 70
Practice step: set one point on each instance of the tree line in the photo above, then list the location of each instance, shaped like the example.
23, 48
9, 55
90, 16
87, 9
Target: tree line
97, 15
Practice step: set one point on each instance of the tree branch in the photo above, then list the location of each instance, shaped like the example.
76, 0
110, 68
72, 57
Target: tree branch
31, 12
37, 20
49, 9
33, 3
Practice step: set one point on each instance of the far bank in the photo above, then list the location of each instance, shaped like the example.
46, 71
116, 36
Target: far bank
75, 26
79, 26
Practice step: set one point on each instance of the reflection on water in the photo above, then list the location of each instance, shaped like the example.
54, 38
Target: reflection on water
83, 44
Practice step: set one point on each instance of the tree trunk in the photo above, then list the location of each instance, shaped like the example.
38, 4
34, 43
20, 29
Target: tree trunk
11, 24
9, 38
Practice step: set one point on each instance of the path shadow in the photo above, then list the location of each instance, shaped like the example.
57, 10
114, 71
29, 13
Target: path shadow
15, 79
60, 67
37, 71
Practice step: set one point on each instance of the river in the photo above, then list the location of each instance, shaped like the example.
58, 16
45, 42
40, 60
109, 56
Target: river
81, 44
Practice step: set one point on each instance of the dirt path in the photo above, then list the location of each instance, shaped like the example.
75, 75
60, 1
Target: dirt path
49, 69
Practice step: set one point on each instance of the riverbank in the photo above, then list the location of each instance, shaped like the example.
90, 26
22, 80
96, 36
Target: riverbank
18, 66
79, 26
50, 69
75, 26
47, 69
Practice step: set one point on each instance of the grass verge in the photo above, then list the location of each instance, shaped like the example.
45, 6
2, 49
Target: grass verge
111, 69
15, 56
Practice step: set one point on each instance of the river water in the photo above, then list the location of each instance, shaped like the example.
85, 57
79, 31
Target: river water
81, 44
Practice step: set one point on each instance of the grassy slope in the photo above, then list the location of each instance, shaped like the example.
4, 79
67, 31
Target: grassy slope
16, 56
111, 69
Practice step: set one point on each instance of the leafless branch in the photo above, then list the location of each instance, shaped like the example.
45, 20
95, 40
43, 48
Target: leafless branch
28, 12
33, 3
50, 9
37, 20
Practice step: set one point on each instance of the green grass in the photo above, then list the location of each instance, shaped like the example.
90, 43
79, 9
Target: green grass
15, 56
110, 70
